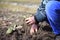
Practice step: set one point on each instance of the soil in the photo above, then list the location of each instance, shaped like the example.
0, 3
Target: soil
8, 18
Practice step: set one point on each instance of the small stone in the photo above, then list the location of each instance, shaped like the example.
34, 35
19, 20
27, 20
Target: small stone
10, 22
17, 20
19, 27
24, 16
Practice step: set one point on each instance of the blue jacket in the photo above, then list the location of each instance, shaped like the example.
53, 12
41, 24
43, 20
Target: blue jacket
41, 14
53, 14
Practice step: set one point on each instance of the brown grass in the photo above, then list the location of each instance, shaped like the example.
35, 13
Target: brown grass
23, 1
18, 8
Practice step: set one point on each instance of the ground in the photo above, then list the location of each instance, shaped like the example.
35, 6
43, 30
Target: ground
8, 18
14, 15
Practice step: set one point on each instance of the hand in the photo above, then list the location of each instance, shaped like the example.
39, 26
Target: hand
33, 29
30, 20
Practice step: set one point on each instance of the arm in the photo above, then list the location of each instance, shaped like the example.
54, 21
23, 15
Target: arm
40, 14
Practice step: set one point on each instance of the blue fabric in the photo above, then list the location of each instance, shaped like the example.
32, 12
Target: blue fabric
40, 14
53, 15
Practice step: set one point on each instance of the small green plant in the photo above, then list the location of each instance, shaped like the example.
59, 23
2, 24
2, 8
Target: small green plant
13, 28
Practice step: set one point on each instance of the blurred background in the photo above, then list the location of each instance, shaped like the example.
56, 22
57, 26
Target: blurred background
29, 6
16, 10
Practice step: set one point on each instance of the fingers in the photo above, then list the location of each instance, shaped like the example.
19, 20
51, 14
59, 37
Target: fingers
30, 20
27, 19
36, 30
27, 22
33, 29
30, 23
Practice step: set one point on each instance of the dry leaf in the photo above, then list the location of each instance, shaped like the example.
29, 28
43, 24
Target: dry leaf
10, 30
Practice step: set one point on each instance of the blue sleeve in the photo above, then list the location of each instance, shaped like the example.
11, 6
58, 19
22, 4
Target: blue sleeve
40, 14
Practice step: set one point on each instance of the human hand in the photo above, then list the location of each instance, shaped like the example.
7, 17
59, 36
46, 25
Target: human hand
33, 29
30, 20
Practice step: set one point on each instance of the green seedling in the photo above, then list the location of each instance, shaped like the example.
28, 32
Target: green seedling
13, 28
10, 30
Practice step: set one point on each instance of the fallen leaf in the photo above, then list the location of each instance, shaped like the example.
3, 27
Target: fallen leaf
10, 30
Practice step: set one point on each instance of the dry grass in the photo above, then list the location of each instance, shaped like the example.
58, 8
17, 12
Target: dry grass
23, 1
18, 8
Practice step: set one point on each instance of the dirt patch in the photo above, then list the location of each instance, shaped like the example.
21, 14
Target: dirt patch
8, 18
